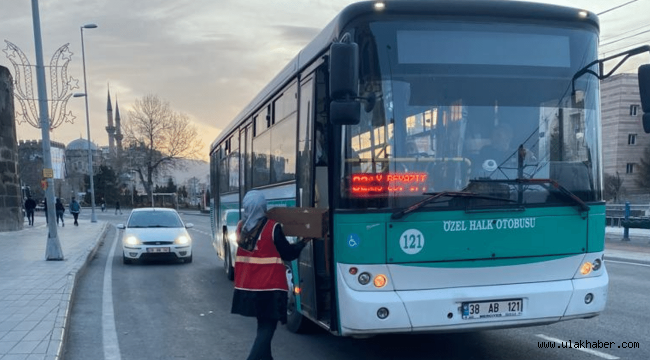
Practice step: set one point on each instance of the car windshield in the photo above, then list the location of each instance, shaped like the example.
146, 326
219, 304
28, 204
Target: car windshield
152, 219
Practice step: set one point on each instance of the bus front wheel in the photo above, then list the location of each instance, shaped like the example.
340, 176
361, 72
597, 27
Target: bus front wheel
296, 322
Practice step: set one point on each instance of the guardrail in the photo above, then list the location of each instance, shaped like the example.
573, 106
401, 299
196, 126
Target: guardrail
628, 216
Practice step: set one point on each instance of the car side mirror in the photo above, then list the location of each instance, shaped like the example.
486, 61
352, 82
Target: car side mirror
189, 225
120, 226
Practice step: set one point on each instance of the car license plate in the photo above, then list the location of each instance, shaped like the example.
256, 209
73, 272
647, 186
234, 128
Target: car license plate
158, 250
492, 309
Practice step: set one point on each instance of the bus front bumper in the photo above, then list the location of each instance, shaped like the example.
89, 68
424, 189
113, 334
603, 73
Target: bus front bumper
440, 310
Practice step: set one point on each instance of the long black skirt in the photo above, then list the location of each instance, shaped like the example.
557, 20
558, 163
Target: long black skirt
261, 304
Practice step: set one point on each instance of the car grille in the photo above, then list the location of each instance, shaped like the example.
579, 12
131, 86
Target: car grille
157, 242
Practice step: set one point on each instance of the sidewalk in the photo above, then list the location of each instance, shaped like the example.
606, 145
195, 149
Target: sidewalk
35, 294
637, 248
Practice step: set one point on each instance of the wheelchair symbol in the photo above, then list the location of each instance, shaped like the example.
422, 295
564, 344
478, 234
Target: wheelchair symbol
354, 240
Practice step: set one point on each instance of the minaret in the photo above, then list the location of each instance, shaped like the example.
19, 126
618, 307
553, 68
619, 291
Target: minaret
110, 129
118, 129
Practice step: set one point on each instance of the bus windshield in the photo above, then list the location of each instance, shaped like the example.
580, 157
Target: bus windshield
457, 106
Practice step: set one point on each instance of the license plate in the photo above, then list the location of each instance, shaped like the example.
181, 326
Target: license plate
158, 250
492, 309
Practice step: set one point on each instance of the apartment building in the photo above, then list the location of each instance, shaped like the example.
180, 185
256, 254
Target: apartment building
623, 137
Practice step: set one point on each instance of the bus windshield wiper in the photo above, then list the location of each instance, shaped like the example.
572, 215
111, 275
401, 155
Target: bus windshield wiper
433, 196
543, 182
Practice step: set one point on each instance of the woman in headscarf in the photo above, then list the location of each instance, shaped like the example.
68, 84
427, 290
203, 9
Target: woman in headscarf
260, 276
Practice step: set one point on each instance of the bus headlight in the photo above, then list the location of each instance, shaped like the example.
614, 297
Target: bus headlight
586, 268
364, 278
597, 264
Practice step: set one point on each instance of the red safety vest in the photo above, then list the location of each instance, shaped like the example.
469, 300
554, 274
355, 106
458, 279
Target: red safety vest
262, 269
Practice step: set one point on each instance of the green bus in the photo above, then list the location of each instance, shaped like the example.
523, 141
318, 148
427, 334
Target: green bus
457, 149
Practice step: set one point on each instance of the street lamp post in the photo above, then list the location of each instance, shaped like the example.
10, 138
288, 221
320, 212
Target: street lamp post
53, 248
93, 217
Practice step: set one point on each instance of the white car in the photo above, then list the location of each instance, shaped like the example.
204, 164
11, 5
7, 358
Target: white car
155, 233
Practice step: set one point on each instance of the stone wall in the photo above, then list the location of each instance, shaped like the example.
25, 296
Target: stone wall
11, 216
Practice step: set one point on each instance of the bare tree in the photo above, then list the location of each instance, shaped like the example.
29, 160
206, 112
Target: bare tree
158, 138
643, 174
613, 186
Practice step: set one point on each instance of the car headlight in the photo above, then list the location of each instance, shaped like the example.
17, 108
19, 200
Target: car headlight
131, 240
232, 236
182, 240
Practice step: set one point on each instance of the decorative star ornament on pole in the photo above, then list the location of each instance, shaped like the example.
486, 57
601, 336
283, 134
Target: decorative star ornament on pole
61, 86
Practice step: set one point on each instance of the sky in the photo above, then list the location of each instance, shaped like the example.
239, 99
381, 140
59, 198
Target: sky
207, 58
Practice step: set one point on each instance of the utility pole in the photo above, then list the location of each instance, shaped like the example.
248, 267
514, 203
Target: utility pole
53, 249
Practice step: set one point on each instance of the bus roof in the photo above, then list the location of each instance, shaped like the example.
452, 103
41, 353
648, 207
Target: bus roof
468, 8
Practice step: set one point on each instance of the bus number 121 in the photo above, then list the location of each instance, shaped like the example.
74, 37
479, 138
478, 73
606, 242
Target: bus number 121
412, 241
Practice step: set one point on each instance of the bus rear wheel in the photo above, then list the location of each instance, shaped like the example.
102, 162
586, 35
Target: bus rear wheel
227, 262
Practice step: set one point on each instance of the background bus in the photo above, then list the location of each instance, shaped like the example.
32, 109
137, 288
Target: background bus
457, 147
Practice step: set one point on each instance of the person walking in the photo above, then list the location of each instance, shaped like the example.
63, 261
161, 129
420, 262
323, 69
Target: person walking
260, 280
47, 221
60, 209
30, 206
117, 207
75, 209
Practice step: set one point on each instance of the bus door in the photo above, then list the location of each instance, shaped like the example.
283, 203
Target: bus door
313, 192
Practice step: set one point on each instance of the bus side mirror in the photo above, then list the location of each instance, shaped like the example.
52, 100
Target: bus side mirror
644, 92
345, 108
344, 71
345, 112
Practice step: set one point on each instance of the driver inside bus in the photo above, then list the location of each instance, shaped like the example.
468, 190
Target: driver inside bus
502, 153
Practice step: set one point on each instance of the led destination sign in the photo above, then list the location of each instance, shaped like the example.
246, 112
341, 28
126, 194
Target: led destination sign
368, 185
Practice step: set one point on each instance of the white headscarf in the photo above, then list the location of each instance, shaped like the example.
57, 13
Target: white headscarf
254, 209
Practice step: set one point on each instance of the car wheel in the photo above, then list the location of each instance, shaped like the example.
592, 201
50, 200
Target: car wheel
227, 264
126, 260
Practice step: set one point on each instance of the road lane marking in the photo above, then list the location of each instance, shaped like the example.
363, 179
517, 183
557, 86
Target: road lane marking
109, 332
588, 351
626, 262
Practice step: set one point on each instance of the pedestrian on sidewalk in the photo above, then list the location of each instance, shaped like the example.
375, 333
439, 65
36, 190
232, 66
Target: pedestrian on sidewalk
260, 280
60, 209
30, 206
75, 209
117, 207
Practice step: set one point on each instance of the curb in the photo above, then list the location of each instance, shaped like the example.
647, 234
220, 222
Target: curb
59, 333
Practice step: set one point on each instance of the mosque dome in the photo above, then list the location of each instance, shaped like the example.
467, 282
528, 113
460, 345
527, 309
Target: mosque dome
81, 144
